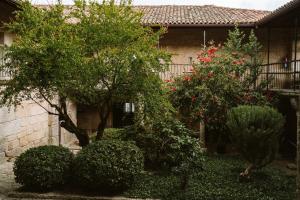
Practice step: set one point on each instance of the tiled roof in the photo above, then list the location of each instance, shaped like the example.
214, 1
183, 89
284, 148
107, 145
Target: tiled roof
183, 15
281, 10
199, 15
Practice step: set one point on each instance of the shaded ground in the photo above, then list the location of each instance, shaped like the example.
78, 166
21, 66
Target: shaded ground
219, 180
7, 182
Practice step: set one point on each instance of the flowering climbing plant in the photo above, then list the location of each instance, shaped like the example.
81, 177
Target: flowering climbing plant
221, 78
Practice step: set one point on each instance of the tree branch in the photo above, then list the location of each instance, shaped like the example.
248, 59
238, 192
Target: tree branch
49, 112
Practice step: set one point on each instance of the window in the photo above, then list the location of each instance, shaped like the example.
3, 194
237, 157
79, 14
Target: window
129, 108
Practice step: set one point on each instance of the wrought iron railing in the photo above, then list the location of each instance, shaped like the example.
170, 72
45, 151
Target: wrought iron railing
279, 76
176, 70
284, 75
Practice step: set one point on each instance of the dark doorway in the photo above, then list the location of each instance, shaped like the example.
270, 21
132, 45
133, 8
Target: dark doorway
120, 117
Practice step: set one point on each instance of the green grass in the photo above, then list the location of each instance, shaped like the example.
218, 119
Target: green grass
218, 181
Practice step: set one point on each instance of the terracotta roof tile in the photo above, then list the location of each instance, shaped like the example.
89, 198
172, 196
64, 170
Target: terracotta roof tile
281, 10
172, 15
199, 15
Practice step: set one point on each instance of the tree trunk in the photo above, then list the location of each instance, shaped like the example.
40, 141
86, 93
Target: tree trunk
100, 130
247, 172
104, 112
81, 135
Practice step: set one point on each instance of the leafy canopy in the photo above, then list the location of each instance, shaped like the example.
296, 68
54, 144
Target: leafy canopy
92, 53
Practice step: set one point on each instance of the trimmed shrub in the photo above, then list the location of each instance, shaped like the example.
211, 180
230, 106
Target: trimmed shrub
43, 168
255, 131
110, 134
107, 166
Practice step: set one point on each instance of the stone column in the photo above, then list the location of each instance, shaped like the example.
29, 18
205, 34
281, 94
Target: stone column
296, 105
298, 152
202, 135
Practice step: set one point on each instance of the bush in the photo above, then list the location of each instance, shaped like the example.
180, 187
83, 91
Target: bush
255, 131
110, 134
108, 165
164, 143
43, 168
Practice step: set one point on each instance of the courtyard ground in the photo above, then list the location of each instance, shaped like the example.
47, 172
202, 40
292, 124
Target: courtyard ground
7, 184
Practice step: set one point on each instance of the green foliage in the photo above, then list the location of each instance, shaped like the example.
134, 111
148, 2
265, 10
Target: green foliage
222, 78
43, 168
165, 144
107, 166
191, 158
255, 130
98, 54
110, 134
217, 181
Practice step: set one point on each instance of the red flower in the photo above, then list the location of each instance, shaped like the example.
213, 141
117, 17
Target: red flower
238, 62
187, 78
173, 89
205, 59
212, 51
194, 98
168, 81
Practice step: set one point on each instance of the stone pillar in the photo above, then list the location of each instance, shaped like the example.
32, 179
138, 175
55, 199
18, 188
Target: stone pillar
298, 152
296, 105
202, 135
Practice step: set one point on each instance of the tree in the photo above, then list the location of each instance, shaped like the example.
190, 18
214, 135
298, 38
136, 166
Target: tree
255, 131
93, 54
223, 77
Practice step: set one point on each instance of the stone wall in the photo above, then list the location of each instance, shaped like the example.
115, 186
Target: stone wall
24, 127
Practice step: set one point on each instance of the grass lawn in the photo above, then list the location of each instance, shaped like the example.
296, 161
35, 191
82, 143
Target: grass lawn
218, 181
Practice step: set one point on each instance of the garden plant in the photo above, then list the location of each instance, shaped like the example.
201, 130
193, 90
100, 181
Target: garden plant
255, 131
43, 168
222, 78
97, 59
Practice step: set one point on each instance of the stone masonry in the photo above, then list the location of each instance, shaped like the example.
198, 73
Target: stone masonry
24, 127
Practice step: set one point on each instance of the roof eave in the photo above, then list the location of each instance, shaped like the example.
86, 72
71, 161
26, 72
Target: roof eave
243, 25
281, 11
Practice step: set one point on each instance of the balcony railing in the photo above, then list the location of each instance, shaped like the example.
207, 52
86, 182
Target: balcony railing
280, 76
176, 70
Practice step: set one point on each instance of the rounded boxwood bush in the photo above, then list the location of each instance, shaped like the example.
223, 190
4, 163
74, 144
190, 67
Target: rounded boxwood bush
107, 166
43, 167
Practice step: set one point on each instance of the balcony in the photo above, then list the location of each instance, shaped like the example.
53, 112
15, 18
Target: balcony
282, 77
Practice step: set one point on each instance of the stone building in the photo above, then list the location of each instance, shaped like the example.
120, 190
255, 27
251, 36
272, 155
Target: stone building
189, 29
